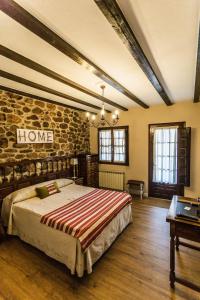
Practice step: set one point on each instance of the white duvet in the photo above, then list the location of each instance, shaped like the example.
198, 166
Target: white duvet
22, 211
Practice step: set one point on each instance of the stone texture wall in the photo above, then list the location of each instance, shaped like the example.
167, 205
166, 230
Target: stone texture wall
70, 130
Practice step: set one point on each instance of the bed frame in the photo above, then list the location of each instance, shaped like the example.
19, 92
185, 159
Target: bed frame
20, 174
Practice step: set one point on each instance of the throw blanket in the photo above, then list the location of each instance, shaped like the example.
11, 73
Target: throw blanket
86, 217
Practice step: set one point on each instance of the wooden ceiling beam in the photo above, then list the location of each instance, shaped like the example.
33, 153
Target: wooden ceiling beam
45, 71
197, 79
21, 93
19, 14
45, 89
116, 18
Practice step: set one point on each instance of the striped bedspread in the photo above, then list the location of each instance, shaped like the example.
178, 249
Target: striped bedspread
87, 216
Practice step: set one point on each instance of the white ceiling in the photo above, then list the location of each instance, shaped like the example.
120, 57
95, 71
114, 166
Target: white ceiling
166, 29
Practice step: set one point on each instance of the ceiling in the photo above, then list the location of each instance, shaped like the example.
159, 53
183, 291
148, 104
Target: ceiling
167, 31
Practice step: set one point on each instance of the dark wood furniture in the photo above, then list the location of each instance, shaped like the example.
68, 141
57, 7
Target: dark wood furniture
181, 228
78, 180
20, 174
88, 166
137, 185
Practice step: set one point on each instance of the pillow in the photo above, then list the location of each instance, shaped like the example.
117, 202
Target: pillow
30, 191
26, 193
47, 190
64, 182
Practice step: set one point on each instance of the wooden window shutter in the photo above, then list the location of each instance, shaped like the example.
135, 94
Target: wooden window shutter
183, 154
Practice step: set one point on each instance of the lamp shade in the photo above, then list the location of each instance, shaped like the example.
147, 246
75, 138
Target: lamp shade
74, 161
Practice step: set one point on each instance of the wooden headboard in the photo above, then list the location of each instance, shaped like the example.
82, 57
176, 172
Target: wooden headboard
20, 174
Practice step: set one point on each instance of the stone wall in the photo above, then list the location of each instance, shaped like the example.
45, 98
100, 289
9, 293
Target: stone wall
71, 132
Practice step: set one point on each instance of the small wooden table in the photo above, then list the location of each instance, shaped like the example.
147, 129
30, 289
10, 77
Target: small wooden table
138, 184
185, 229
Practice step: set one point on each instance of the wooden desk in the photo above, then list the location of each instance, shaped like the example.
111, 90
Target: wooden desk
184, 229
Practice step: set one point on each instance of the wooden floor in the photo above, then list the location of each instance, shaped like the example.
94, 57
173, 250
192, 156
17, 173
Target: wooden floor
135, 267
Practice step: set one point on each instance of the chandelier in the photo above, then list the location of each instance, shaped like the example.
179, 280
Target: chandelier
91, 119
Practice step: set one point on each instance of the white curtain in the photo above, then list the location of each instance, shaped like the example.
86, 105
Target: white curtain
165, 155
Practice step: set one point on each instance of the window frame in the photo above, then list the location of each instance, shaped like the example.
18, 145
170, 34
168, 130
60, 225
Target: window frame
112, 162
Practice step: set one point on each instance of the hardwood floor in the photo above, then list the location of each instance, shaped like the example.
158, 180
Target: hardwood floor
135, 267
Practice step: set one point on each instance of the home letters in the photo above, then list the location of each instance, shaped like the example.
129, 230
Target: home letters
29, 136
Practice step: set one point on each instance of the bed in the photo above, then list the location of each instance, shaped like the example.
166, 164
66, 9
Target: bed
22, 212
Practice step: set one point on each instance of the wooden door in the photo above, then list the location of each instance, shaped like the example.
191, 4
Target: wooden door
168, 187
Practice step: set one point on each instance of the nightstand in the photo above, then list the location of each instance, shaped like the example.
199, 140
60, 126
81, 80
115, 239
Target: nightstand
78, 180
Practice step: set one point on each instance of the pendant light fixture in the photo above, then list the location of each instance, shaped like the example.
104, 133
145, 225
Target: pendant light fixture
103, 121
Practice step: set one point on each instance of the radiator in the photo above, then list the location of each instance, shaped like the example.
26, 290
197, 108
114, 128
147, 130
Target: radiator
112, 180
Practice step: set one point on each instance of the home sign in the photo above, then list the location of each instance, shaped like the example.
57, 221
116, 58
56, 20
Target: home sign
29, 136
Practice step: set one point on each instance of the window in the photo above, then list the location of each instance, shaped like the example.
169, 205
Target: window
113, 145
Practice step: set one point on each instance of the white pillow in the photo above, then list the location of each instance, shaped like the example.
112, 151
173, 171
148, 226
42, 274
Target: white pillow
63, 182
24, 194
30, 192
